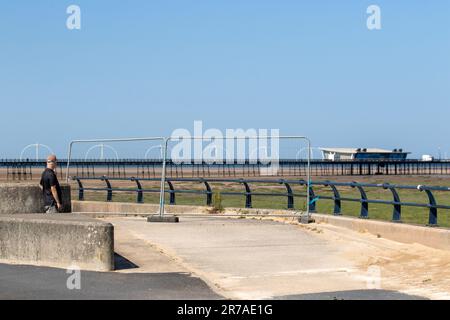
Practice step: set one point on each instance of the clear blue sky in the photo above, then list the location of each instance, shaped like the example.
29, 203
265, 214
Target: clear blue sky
145, 68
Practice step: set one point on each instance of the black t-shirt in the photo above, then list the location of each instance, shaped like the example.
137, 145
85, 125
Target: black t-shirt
48, 180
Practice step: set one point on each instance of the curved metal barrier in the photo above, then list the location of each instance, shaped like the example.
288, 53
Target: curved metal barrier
290, 195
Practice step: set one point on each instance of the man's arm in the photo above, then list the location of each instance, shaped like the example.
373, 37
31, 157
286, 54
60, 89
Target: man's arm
56, 197
53, 181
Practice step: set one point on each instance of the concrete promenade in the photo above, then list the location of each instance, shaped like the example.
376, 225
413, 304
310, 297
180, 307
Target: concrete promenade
263, 259
219, 257
224, 258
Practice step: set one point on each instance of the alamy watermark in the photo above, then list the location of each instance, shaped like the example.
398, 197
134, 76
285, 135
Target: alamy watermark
74, 280
73, 21
234, 146
374, 20
373, 278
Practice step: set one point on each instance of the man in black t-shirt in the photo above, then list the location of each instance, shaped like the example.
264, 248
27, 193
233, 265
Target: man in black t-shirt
50, 187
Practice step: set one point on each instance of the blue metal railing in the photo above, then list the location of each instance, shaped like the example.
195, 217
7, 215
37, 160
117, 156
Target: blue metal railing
396, 202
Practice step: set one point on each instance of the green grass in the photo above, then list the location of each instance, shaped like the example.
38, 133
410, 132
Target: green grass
413, 215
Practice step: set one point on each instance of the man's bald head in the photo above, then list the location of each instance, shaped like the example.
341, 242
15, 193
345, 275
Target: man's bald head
51, 161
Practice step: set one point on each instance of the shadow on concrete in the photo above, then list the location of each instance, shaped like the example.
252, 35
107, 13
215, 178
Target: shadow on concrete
122, 263
353, 295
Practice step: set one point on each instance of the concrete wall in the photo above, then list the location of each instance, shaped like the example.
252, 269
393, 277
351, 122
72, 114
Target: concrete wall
130, 208
57, 240
438, 238
27, 198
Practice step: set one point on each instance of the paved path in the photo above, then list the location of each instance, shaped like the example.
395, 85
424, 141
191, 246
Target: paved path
216, 258
41, 283
253, 259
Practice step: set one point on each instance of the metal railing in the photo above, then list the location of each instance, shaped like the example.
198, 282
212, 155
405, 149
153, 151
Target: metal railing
164, 148
290, 195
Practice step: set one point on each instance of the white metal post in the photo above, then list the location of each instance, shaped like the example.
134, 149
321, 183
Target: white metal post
162, 195
308, 174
